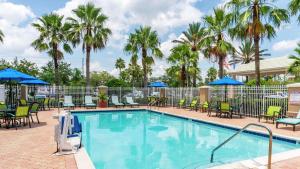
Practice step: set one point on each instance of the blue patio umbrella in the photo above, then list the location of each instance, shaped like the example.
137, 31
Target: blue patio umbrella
158, 84
34, 82
14, 75
10, 75
226, 81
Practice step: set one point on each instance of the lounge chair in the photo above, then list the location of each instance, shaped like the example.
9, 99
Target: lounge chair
115, 101
289, 121
88, 102
22, 113
130, 102
181, 103
272, 113
34, 109
68, 102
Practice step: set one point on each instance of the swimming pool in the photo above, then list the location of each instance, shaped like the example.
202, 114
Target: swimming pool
141, 139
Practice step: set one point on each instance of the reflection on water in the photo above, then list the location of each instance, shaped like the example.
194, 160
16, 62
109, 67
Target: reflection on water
143, 140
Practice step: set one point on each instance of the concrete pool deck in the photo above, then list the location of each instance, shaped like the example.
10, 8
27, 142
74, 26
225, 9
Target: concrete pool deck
30, 148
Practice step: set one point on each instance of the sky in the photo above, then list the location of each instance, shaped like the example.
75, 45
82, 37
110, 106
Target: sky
168, 17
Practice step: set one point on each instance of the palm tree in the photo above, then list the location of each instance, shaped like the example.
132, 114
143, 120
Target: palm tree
180, 57
295, 67
120, 64
144, 40
1, 36
294, 7
89, 29
194, 36
52, 38
218, 46
246, 53
256, 19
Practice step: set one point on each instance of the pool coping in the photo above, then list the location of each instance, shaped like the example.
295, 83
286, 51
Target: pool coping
261, 161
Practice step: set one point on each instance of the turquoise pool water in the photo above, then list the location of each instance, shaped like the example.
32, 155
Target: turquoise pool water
148, 140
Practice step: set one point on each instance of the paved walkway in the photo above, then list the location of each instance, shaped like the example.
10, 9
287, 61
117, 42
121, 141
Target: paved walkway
32, 148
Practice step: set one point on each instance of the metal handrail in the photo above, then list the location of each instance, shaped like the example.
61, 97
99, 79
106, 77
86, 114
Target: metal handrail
240, 131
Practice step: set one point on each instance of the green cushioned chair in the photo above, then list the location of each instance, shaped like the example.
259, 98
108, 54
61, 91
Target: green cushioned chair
34, 109
225, 109
272, 113
194, 104
181, 103
22, 113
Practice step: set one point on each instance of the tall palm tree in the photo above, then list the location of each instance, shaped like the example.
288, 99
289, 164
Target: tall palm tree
89, 29
195, 37
143, 41
295, 67
120, 64
256, 19
246, 53
52, 39
1, 36
218, 46
294, 7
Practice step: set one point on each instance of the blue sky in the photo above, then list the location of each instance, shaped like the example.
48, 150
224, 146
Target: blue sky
168, 17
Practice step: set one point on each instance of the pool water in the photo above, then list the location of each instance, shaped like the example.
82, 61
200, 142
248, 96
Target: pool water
148, 140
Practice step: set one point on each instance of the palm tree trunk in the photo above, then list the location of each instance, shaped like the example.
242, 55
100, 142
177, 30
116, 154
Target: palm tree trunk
256, 43
221, 66
87, 71
183, 76
55, 60
144, 55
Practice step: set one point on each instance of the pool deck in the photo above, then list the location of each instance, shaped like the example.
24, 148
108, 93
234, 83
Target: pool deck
32, 148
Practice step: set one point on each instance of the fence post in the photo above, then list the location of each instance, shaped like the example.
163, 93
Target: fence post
293, 99
204, 94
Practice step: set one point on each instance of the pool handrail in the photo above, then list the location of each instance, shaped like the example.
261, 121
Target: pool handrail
240, 131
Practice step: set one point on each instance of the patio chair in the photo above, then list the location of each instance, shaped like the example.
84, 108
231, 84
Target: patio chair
272, 113
22, 113
181, 103
45, 104
115, 101
3, 108
225, 109
204, 106
22, 102
88, 102
194, 104
130, 102
213, 106
289, 121
68, 102
34, 109
237, 110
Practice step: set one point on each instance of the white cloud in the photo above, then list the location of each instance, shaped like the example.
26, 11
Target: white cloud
126, 14
15, 22
285, 45
14, 14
